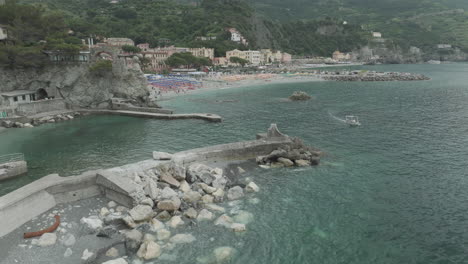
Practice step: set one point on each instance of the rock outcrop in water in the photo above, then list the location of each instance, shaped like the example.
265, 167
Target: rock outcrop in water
300, 96
298, 155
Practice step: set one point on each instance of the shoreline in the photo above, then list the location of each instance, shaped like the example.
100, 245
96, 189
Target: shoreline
212, 84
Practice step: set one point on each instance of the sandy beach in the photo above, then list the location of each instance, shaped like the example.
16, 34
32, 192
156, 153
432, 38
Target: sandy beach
241, 81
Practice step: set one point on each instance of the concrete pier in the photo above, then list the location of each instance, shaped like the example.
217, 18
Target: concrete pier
207, 117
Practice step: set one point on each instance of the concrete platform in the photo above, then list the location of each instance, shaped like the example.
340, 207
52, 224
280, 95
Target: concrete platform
207, 117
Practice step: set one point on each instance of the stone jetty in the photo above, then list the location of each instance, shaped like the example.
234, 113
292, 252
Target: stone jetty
153, 203
207, 117
371, 76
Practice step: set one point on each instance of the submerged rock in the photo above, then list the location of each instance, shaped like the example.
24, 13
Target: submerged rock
235, 193
224, 220
252, 187
86, 254
163, 234
149, 250
182, 239
116, 261
47, 239
112, 252
224, 254
68, 253
205, 215
93, 222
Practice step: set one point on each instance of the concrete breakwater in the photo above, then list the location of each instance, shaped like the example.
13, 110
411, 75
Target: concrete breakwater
207, 117
371, 76
159, 196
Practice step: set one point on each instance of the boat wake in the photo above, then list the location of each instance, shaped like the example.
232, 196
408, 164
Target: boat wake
337, 118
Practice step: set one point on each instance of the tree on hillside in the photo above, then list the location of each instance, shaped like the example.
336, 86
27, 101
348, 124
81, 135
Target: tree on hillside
238, 60
187, 59
131, 49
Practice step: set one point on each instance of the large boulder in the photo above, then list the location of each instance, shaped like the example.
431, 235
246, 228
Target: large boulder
224, 254
47, 239
149, 250
141, 213
157, 155
182, 239
168, 193
235, 193
224, 220
133, 240
201, 172
151, 189
205, 215
93, 222
252, 187
192, 197
170, 180
286, 162
300, 96
170, 205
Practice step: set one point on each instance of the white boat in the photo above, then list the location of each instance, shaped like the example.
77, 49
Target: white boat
352, 121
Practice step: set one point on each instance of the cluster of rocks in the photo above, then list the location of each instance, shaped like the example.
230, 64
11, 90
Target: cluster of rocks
39, 121
297, 155
300, 96
168, 198
356, 76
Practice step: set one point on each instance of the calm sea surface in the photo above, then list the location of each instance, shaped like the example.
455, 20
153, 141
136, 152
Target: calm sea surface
394, 190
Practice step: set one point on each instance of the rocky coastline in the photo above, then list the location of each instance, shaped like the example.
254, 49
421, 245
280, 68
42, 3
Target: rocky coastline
371, 76
164, 201
30, 122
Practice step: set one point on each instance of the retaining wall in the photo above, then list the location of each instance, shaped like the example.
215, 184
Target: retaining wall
41, 107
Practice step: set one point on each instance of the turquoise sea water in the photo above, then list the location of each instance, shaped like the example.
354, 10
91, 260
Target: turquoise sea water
394, 190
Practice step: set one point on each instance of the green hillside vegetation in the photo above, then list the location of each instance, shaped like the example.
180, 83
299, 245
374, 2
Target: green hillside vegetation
421, 23
30, 31
182, 22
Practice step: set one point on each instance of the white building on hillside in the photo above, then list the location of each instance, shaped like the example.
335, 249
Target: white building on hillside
376, 34
3, 32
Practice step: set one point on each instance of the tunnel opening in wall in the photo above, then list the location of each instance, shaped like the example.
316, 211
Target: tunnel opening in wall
41, 94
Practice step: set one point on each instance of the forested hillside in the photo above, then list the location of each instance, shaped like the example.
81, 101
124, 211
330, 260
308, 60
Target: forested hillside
421, 23
183, 21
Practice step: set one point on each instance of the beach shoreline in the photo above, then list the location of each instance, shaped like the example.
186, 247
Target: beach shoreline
219, 84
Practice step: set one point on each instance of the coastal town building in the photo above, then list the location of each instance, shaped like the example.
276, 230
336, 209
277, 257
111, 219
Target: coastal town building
221, 61
340, 56
206, 38
261, 57
236, 36
119, 42
3, 32
444, 46
158, 56
18, 97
